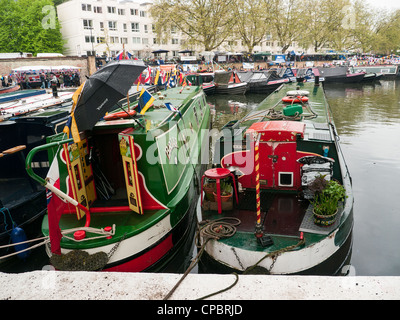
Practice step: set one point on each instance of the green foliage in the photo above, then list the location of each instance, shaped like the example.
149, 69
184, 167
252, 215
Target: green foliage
29, 26
226, 188
327, 196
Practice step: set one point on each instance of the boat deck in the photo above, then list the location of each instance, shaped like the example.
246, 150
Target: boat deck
283, 217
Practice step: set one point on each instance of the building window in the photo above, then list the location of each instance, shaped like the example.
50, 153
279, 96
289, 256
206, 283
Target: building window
89, 39
135, 27
155, 41
112, 25
145, 28
98, 9
86, 7
136, 40
145, 41
114, 39
124, 40
125, 27
101, 26
100, 40
87, 24
175, 41
121, 12
111, 9
143, 14
134, 12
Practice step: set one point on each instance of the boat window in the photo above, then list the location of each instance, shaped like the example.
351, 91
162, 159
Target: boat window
286, 179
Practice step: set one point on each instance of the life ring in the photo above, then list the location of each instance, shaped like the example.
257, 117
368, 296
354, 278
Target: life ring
298, 99
303, 93
120, 115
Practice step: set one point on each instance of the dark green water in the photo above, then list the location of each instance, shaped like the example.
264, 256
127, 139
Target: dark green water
367, 118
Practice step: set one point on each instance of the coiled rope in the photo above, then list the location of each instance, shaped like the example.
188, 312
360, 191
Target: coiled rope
220, 229
215, 229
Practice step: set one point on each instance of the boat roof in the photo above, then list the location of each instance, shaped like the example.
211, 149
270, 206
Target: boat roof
158, 114
316, 116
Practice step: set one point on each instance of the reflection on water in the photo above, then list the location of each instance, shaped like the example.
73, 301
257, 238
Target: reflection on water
367, 118
368, 121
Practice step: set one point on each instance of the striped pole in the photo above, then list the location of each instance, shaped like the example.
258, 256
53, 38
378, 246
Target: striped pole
258, 232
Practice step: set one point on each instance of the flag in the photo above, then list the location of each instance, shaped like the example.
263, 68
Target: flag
180, 78
172, 108
123, 55
156, 78
145, 101
172, 81
148, 77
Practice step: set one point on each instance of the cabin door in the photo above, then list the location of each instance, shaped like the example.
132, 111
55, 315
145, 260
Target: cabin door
81, 174
278, 166
127, 149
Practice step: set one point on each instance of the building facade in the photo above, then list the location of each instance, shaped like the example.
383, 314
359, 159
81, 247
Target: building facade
105, 27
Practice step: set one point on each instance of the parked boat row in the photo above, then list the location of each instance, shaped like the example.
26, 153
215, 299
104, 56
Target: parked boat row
122, 187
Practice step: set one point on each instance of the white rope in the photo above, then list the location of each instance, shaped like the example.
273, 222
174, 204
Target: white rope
32, 247
103, 234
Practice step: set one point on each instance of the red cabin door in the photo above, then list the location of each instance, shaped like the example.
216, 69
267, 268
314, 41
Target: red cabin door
278, 166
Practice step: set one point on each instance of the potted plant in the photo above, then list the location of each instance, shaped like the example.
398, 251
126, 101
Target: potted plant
327, 195
226, 192
209, 188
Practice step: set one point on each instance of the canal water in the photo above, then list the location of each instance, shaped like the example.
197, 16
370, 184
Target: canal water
367, 118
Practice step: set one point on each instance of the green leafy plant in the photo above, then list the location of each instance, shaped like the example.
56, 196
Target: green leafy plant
326, 199
226, 188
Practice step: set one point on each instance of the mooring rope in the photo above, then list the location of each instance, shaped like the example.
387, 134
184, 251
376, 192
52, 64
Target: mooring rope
215, 229
219, 229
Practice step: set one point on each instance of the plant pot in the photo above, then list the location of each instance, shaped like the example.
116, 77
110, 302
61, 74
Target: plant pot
323, 220
209, 190
223, 198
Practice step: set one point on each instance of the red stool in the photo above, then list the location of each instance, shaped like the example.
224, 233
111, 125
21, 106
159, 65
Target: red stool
217, 174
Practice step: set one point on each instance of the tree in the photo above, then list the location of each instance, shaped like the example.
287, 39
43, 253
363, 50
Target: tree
287, 22
29, 26
387, 39
323, 19
252, 21
205, 23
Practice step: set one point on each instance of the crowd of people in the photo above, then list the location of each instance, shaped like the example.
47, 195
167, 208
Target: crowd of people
43, 79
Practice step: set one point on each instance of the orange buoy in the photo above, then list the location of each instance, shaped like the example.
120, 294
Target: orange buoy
298, 99
120, 115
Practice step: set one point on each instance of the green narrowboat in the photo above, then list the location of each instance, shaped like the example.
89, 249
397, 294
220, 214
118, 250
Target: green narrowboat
123, 197
276, 154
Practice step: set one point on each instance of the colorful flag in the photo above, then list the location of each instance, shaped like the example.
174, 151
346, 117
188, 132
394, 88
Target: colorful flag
172, 108
145, 101
148, 76
157, 77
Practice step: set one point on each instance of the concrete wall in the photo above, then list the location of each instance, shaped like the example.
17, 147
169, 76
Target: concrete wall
87, 64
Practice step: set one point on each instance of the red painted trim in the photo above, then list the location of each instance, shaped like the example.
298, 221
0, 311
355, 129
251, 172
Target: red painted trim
146, 260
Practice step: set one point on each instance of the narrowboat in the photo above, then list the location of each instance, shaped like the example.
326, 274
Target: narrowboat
228, 82
340, 75
130, 182
23, 200
268, 163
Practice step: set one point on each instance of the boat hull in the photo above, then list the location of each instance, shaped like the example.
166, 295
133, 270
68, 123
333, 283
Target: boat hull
171, 253
233, 88
331, 266
351, 78
265, 87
